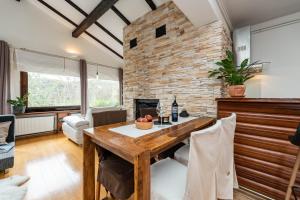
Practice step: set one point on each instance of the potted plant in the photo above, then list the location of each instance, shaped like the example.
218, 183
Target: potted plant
19, 104
233, 76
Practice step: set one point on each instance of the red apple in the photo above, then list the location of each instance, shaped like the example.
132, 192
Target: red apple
144, 120
139, 119
149, 118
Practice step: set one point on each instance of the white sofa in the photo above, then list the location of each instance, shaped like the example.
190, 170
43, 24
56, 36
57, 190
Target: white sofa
74, 125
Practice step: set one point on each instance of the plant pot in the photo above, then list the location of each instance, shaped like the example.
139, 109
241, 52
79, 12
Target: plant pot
18, 109
237, 90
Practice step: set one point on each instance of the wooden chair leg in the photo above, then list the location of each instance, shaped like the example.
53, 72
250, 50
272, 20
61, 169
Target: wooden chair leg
293, 177
98, 188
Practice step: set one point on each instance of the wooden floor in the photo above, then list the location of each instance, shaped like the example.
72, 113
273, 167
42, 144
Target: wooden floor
54, 165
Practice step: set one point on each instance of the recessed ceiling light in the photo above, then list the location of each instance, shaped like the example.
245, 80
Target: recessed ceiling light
72, 51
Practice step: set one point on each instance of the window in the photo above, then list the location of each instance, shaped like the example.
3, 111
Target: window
133, 43
103, 93
160, 31
53, 83
48, 90
103, 86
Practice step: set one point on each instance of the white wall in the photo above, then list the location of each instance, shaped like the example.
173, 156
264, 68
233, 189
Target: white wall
24, 25
279, 45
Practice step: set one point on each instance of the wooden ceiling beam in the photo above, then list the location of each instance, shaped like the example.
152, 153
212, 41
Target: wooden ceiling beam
102, 7
71, 3
151, 4
120, 15
74, 24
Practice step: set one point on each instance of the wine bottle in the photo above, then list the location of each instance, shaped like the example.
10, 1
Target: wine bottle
174, 110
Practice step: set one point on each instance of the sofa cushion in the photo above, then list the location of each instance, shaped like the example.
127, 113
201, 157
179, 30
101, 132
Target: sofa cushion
4, 127
7, 147
75, 121
8, 153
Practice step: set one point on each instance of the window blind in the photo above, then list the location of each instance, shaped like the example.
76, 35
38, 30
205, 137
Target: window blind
104, 73
28, 61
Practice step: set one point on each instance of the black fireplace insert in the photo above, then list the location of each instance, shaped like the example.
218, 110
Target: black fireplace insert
145, 107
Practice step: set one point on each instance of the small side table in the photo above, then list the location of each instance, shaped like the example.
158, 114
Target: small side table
59, 120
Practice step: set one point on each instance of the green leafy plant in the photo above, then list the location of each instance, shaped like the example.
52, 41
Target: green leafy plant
19, 101
232, 74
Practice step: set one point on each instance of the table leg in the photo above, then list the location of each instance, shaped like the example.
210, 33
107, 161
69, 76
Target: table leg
98, 184
88, 168
142, 177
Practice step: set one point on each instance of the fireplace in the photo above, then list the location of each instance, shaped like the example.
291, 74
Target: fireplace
145, 107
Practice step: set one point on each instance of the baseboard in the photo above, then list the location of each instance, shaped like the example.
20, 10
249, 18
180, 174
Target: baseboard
36, 134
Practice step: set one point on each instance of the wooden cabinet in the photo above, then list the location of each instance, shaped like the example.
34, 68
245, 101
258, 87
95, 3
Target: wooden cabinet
59, 119
264, 157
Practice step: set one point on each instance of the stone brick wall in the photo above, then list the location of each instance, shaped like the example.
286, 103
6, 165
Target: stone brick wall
174, 64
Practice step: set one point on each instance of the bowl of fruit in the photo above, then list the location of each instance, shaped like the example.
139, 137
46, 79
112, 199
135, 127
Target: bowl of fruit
144, 123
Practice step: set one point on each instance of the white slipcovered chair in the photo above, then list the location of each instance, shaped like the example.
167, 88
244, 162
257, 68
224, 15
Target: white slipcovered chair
171, 180
226, 174
74, 125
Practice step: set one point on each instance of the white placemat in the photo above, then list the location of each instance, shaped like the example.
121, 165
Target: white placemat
132, 131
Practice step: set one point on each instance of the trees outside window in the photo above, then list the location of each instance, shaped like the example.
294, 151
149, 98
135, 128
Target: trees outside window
48, 90
103, 93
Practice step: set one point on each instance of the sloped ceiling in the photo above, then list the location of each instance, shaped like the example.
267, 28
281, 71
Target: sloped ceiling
23, 25
109, 27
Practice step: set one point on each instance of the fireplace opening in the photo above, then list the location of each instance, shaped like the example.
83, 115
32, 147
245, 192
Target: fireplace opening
145, 107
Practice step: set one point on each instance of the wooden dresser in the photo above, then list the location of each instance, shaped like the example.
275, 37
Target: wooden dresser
264, 157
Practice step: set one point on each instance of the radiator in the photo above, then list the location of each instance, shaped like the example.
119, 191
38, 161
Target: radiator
32, 125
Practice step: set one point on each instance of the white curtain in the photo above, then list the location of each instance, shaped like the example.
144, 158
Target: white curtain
34, 62
104, 73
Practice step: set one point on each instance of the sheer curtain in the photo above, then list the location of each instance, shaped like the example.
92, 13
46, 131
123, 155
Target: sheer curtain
5, 108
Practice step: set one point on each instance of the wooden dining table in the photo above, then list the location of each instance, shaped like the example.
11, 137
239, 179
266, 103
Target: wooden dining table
137, 151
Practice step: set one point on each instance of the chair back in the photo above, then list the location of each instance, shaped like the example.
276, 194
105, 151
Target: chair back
203, 159
295, 139
109, 117
226, 176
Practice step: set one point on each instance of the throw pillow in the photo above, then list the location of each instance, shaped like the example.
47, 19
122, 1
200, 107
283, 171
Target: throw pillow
4, 127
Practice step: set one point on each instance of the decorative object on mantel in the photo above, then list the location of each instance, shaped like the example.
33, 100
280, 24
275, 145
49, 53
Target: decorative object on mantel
234, 76
19, 104
184, 113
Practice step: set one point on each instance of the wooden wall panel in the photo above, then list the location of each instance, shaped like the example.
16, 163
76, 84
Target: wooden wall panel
264, 157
